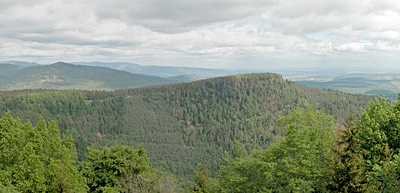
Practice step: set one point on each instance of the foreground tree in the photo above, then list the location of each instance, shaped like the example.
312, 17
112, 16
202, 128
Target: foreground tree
149, 182
104, 168
124, 169
202, 180
380, 130
386, 178
36, 159
349, 169
299, 162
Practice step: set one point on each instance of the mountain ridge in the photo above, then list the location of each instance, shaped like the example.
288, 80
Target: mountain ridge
163, 71
61, 75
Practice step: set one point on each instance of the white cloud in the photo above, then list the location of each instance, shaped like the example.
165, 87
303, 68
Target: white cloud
196, 32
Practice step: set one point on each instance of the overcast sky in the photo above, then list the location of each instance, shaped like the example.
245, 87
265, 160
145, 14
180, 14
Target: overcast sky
205, 33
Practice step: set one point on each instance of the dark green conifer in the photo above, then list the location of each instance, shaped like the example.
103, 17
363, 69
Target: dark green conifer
349, 167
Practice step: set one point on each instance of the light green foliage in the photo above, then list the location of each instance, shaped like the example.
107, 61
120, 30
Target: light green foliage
374, 123
104, 168
386, 178
36, 159
8, 189
298, 162
380, 130
124, 169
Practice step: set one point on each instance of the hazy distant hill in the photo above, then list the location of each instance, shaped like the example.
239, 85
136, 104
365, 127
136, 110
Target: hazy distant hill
163, 71
187, 73
20, 63
8, 69
184, 78
387, 85
68, 76
182, 124
113, 65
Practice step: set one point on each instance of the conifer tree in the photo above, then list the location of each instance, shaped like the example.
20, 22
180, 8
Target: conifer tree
349, 167
202, 180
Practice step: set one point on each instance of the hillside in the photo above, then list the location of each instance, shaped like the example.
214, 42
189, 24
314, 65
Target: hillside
182, 124
8, 69
68, 76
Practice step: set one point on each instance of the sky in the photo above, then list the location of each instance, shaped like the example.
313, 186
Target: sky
240, 34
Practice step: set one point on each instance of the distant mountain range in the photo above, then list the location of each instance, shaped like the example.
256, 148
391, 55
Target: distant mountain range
182, 74
69, 76
379, 84
120, 75
20, 63
165, 71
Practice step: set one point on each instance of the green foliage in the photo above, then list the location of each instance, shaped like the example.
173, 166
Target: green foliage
104, 168
372, 123
379, 129
298, 162
203, 121
386, 178
149, 182
202, 180
8, 189
36, 159
124, 169
179, 125
349, 169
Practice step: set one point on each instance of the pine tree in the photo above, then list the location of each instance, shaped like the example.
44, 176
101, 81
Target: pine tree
202, 180
349, 167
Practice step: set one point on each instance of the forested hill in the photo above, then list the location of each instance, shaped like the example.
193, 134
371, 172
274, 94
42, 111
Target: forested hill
69, 76
183, 124
8, 69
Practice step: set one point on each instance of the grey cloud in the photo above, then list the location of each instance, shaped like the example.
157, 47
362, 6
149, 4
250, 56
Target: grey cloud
194, 31
174, 16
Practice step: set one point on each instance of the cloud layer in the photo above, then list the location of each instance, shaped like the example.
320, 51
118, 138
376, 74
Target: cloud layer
208, 33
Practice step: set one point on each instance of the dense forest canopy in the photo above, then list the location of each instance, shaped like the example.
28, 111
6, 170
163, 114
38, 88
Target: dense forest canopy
311, 155
180, 125
314, 156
